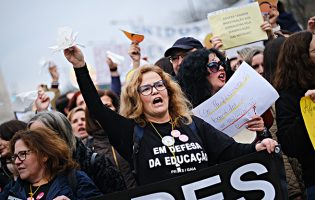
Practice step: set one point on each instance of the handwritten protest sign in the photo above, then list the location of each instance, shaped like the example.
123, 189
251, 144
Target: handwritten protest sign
247, 93
308, 113
237, 26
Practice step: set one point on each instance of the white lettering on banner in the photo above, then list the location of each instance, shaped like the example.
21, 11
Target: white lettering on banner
240, 185
158, 195
187, 158
159, 150
154, 163
177, 148
189, 189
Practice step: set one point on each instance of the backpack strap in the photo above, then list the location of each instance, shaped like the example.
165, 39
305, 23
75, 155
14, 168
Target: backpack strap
137, 136
193, 127
92, 161
73, 182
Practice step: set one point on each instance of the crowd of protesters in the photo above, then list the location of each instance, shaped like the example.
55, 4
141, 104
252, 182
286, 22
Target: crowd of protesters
91, 142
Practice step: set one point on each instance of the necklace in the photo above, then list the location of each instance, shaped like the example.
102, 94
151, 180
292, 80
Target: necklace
31, 193
168, 141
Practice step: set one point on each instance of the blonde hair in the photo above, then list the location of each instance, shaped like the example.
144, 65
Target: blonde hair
131, 105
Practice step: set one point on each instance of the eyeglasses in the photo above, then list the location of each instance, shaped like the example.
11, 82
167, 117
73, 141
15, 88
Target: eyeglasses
20, 155
175, 58
214, 66
148, 89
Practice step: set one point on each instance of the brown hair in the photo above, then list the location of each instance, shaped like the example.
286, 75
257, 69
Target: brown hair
112, 95
91, 124
294, 66
46, 143
9, 128
73, 101
74, 110
131, 105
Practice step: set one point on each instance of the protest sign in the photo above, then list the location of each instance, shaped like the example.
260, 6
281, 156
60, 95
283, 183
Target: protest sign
308, 113
266, 5
246, 93
255, 176
238, 25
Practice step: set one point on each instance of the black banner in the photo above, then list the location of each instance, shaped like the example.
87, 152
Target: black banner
255, 176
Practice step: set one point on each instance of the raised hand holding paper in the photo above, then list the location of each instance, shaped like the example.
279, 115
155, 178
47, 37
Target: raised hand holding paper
66, 39
134, 37
308, 113
45, 64
25, 100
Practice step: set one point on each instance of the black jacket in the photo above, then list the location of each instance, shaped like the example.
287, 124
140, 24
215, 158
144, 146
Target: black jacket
292, 133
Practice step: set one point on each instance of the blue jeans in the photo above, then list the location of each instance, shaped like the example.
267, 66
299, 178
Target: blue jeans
310, 191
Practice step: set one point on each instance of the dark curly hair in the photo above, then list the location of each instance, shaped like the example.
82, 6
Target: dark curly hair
193, 72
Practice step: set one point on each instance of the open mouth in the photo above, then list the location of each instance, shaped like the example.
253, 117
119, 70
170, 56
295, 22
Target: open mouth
157, 100
81, 129
222, 76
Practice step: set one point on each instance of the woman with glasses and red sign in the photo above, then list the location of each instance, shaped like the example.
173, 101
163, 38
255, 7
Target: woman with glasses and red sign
46, 169
155, 131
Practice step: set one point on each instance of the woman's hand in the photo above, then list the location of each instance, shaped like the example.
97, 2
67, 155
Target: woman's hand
74, 56
42, 102
53, 70
268, 144
134, 52
256, 124
311, 94
266, 26
216, 42
62, 197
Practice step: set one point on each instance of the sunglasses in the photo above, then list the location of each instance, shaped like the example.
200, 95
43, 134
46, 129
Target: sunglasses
215, 66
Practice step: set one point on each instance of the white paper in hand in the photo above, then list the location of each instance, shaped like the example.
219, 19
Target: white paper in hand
66, 39
24, 101
118, 59
45, 64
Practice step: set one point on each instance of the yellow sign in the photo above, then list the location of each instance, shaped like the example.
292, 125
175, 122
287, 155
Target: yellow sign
308, 113
237, 26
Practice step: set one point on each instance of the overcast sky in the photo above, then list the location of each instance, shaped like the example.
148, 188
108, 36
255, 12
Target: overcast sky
29, 27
